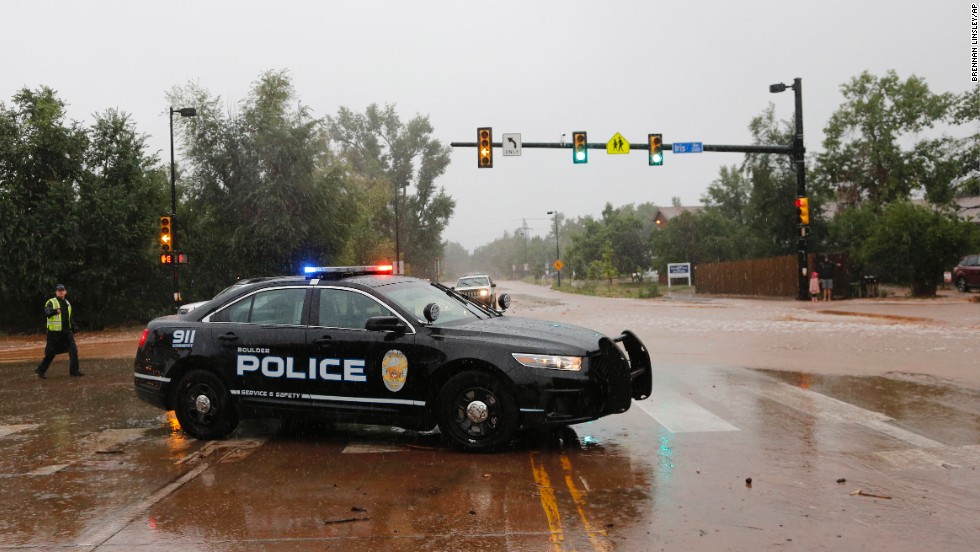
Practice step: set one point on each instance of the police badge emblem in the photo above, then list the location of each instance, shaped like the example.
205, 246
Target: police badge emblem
394, 370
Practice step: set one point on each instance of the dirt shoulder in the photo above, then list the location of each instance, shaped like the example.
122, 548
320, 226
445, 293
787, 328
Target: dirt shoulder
105, 344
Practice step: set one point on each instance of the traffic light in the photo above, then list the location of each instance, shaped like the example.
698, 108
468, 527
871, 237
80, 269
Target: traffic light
166, 258
656, 149
166, 235
580, 149
803, 209
484, 149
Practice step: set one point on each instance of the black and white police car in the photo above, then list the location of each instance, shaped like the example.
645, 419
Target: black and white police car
361, 344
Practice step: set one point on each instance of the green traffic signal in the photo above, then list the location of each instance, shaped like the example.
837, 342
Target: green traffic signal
580, 151
656, 149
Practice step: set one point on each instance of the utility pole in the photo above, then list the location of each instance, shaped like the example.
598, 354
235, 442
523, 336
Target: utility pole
557, 252
524, 230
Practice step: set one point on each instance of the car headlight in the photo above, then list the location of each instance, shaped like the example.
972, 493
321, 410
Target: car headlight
553, 362
484, 293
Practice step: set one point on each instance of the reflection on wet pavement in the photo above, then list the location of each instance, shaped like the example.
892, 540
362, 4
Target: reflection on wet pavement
842, 462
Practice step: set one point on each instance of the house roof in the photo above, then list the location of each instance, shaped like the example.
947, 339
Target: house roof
967, 207
666, 213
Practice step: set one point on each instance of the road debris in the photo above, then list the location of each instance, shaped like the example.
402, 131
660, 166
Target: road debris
860, 492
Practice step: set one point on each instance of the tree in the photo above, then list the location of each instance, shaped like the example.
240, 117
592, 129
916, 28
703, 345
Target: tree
772, 220
917, 244
121, 195
697, 238
378, 146
265, 195
78, 207
730, 194
41, 164
864, 158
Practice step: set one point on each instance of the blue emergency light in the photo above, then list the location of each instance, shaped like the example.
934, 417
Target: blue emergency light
338, 271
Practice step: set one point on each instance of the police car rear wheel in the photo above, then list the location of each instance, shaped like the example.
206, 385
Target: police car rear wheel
203, 406
476, 412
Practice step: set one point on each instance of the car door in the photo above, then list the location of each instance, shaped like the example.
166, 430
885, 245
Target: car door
972, 270
262, 347
359, 371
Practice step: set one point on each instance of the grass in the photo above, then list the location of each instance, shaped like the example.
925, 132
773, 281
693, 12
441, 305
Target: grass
631, 290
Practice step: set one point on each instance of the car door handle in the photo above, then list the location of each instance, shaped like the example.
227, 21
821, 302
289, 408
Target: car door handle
323, 340
228, 337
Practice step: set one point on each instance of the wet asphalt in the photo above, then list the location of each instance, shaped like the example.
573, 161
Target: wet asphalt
724, 456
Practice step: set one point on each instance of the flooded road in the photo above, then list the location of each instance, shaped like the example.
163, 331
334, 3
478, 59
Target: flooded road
873, 447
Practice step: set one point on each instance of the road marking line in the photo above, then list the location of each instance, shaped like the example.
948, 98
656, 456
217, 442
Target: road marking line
548, 502
11, 429
368, 448
236, 450
679, 414
823, 407
945, 458
101, 441
597, 536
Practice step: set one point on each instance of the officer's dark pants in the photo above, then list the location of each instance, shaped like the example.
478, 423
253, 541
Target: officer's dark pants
60, 342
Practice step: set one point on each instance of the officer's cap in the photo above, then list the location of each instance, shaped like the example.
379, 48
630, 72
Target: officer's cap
59, 287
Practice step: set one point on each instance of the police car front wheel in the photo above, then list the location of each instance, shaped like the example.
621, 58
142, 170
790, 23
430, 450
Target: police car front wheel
476, 412
203, 406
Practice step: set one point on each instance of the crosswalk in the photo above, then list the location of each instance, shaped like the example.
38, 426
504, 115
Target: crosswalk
679, 414
670, 408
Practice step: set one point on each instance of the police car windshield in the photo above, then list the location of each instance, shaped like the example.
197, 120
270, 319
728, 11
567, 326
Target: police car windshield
414, 296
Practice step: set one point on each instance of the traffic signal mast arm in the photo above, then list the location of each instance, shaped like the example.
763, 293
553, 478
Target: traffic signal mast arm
641, 146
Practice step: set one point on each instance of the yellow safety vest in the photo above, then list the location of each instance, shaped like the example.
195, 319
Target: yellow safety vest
54, 322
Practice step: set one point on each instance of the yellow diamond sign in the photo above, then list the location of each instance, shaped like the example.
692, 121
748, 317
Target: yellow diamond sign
558, 265
617, 144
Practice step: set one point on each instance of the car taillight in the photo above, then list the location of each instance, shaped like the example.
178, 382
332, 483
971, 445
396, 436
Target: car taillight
146, 333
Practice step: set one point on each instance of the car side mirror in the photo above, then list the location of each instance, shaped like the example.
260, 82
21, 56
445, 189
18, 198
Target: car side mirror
431, 312
504, 301
385, 324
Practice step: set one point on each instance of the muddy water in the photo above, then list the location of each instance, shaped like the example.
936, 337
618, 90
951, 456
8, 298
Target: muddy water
738, 449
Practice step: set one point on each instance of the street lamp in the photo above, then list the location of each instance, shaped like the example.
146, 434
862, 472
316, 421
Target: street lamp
557, 252
184, 112
798, 152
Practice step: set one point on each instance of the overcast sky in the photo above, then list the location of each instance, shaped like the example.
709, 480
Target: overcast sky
693, 71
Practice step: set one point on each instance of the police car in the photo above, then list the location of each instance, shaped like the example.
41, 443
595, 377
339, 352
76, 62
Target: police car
361, 344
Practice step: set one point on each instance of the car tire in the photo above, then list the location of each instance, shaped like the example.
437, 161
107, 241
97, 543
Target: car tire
477, 412
203, 406
961, 285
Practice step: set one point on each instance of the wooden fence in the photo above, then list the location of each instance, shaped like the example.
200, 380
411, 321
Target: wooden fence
770, 277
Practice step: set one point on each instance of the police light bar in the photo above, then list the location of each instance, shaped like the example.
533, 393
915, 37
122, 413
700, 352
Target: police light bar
326, 271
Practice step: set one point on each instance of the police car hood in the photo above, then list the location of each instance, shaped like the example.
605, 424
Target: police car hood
528, 335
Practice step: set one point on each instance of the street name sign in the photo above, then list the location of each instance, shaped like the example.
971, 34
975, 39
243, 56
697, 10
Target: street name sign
686, 147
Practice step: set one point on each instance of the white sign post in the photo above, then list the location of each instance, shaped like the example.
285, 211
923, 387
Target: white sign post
678, 270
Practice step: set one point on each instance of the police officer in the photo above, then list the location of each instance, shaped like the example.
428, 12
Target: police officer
61, 334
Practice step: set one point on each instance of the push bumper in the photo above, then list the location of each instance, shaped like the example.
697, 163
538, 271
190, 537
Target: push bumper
624, 378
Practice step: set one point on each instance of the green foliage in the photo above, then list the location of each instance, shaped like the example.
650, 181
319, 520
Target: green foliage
74, 204
864, 157
265, 195
119, 198
405, 156
905, 242
620, 241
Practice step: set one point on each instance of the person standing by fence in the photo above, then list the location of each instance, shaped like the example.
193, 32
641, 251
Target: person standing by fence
826, 271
